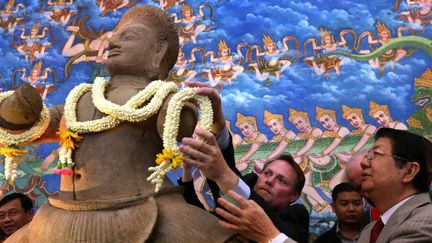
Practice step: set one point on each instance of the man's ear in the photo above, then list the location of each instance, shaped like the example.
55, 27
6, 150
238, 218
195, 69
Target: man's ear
411, 170
29, 215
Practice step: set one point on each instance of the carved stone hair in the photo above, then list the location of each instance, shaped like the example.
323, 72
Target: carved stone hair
164, 24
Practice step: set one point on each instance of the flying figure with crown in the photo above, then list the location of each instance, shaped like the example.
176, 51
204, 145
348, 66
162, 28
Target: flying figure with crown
33, 45
190, 25
273, 60
223, 69
36, 78
384, 35
328, 44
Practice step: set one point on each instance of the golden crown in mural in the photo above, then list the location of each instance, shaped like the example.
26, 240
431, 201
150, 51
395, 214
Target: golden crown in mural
37, 67
242, 119
185, 8
267, 40
294, 114
35, 27
324, 32
381, 27
321, 112
375, 107
425, 80
268, 116
10, 3
348, 110
222, 45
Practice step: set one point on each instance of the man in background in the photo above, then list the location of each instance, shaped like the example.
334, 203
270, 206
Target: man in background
16, 210
348, 206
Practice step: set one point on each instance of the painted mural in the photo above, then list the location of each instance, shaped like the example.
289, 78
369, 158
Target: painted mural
313, 78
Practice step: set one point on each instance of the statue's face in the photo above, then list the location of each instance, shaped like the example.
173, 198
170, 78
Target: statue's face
132, 48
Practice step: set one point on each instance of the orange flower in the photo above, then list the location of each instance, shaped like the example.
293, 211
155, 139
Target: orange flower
68, 138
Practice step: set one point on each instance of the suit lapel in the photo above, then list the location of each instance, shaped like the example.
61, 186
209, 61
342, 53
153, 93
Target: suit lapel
400, 215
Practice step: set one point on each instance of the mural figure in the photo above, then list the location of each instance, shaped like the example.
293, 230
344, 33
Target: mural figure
420, 121
236, 139
9, 8
224, 68
167, 4
31, 45
60, 12
382, 115
282, 137
37, 78
391, 56
183, 69
421, 16
91, 49
325, 168
251, 135
190, 25
107, 6
300, 120
273, 61
328, 44
364, 131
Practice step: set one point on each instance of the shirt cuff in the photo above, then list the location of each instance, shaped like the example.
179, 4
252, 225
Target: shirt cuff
242, 189
222, 138
281, 238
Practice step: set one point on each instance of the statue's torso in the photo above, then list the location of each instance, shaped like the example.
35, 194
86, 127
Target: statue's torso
113, 164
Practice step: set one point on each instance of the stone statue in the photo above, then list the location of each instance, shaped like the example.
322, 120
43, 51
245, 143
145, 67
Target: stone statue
107, 197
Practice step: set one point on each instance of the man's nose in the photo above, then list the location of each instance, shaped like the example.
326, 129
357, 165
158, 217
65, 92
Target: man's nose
113, 42
270, 180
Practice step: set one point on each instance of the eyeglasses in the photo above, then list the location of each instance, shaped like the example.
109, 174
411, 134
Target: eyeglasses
372, 154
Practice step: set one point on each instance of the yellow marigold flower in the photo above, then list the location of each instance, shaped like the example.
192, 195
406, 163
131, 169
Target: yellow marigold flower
12, 151
167, 154
68, 138
177, 160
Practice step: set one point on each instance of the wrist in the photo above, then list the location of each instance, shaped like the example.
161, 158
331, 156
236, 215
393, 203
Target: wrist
227, 181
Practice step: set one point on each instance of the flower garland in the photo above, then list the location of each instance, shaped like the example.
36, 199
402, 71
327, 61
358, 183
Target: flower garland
156, 92
171, 157
11, 141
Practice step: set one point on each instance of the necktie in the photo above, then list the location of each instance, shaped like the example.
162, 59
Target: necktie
376, 230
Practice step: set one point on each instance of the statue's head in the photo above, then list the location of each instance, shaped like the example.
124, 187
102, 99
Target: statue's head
145, 43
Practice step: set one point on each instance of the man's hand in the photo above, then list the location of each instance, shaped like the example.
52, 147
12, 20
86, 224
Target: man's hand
213, 95
206, 156
248, 219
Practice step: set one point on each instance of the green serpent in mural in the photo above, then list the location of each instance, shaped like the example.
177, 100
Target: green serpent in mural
418, 42
265, 149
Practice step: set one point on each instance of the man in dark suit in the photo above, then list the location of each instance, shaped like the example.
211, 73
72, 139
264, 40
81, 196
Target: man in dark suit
348, 206
275, 190
397, 172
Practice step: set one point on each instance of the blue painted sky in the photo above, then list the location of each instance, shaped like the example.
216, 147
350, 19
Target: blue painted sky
243, 21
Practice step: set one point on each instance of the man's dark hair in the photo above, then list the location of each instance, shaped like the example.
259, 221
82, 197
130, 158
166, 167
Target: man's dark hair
26, 202
298, 187
343, 187
410, 147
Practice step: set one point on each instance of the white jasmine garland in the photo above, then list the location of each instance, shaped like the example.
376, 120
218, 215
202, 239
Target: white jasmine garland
10, 141
155, 93
171, 125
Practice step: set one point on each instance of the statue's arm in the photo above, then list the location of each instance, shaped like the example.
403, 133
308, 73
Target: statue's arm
22, 109
188, 119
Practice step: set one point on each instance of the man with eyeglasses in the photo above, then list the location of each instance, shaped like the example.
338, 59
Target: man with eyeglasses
396, 177
16, 210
